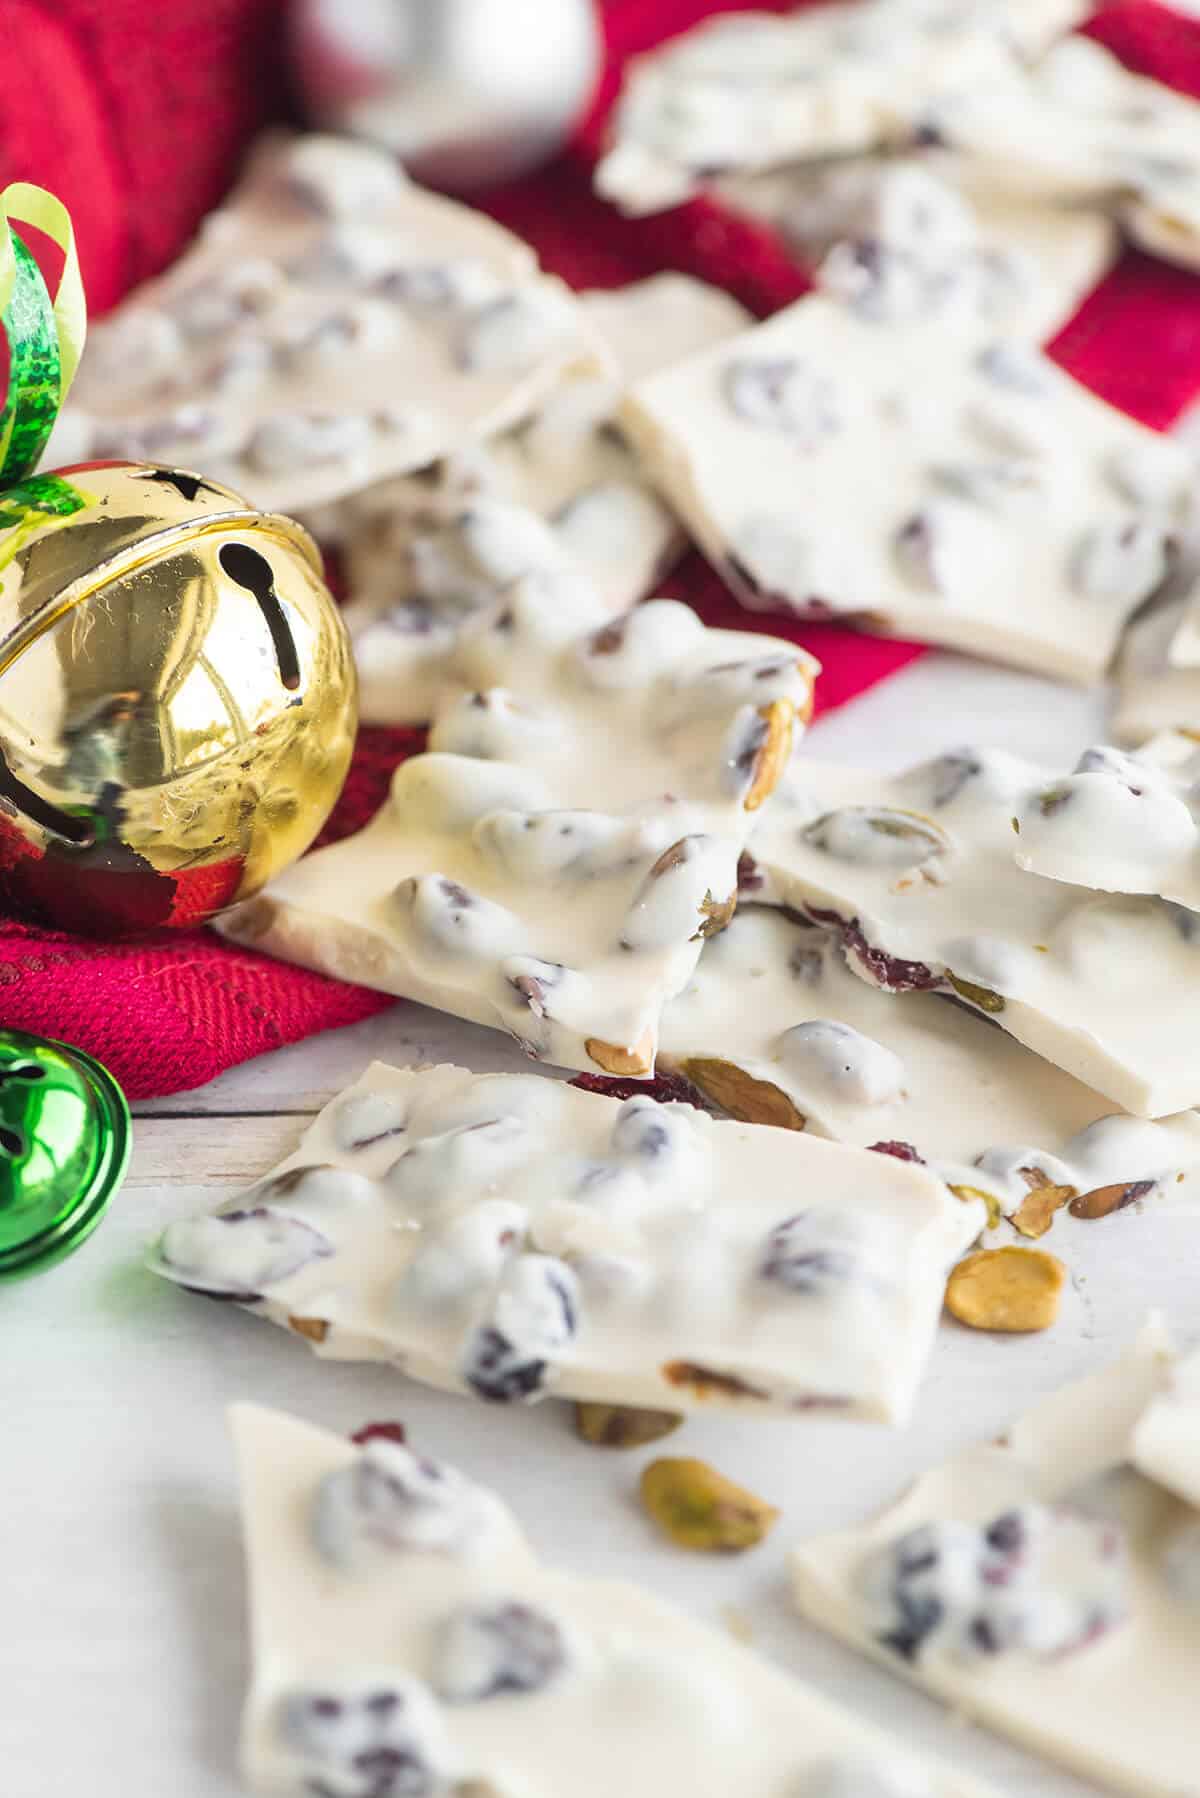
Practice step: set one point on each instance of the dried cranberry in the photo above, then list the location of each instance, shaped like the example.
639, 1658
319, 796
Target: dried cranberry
667, 1088
385, 1432
901, 1151
888, 971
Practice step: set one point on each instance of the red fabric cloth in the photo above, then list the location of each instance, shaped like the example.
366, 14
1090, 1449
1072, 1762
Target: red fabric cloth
138, 118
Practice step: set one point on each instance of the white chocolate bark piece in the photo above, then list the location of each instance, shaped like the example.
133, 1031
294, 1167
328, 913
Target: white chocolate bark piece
1120, 823
1152, 694
776, 1029
1166, 1441
649, 324
956, 487
1027, 264
1035, 1584
438, 559
753, 91
509, 1236
466, 1666
1080, 125
917, 872
419, 557
552, 867
333, 324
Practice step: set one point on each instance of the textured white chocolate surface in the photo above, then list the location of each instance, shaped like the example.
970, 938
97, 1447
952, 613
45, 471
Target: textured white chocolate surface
420, 1632
1115, 1701
423, 552
824, 1051
1166, 1442
1080, 125
510, 1236
755, 90
956, 487
1151, 694
1120, 823
1026, 264
440, 559
332, 325
552, 866
918, 872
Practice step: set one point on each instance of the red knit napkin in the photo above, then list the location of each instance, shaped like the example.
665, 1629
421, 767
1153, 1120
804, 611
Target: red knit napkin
140, 132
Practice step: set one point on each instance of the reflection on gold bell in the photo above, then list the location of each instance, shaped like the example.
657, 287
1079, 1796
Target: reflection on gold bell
177, 697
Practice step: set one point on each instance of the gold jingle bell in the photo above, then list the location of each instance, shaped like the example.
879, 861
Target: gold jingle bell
177, 697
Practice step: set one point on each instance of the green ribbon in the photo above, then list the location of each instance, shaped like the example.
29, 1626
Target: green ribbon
45, 335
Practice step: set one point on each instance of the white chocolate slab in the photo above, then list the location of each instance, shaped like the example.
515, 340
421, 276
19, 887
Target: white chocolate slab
649, 324
550, 869
910, 472
1166, 1441
643, 1697
416, 559
332, 325
1028, 264
1120, 823
1152, 694
920, 872
775, 999
510, 1236
1120, 1709
754, 91
1080, 125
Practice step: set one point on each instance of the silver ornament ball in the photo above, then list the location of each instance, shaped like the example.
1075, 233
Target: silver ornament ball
465, 92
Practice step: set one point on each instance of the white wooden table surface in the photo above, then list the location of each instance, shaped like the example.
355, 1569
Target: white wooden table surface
122, 1643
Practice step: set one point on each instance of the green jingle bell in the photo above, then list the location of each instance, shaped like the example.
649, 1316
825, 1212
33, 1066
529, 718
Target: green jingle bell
64, 1147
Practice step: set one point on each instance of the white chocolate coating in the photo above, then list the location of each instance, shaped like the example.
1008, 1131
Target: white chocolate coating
1119, 1706
1152, 694
332, 325
1120, 823
510, 1236
973, 1104
1027, 265
956, 487
551, 866
415, 562
1166, 1442
1079, 125
755, 91
531, 1682
919, 869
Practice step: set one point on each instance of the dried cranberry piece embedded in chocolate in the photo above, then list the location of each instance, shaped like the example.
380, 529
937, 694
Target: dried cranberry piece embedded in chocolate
369, 1736
900, 1151
390, 1499
815, 1253
239, 1254
499, 1650
749, 876
891, 972
533, 1317
380, 1432
665, 1088
881, 284
656, 1138
782, 394
1036, 1580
